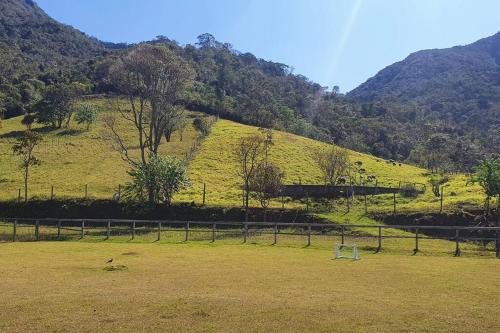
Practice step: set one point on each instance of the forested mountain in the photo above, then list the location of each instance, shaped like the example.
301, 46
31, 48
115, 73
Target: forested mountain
457, 90
32, 43
418, 110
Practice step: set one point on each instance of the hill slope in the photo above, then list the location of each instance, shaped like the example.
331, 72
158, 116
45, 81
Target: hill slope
73, 158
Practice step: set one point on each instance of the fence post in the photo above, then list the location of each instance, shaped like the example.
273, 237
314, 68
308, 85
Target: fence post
342, 234
498, 230
213, 232
37, 230
187, 231
441, 200
347, 200
204, 193
159, 231
366, 204
379, 239
416, 241
498, 244
58, 229
133, 229
309, 235
245, 233
394, 198
108, 230
275, 234
82, 232
14, 231
457, 244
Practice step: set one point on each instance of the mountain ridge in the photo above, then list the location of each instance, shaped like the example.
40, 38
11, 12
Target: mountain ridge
478, 57
452, 95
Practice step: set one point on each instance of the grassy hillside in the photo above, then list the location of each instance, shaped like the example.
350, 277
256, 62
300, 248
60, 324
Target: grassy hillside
74, 157
226, 288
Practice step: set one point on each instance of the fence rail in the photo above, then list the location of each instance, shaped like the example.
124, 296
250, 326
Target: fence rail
457, 234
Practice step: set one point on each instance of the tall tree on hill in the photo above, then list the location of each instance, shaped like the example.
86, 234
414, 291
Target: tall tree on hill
248, 153
174, 121
206, 40
24, 148
266, 183
333, 163
57, 105
153, 79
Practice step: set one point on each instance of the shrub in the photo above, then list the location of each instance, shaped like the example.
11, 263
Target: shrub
158, 179
409, 190
86, 114
202, 126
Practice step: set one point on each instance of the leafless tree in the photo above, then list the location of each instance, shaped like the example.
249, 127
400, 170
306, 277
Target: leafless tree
333, 162
248, 153
176, 120
266, 183
24, 148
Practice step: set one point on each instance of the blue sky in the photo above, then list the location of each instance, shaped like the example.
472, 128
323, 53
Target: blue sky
333, 42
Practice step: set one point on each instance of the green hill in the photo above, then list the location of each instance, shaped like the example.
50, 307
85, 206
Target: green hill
72, 158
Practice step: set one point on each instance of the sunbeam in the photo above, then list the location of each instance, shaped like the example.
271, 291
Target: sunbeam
344, 36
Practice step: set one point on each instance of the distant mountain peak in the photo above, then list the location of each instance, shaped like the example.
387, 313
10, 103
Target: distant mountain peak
459, 69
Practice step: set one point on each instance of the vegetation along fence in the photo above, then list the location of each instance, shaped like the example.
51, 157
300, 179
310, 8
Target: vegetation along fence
369, 237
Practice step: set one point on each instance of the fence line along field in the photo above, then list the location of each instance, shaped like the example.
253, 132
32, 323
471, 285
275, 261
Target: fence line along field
394, 239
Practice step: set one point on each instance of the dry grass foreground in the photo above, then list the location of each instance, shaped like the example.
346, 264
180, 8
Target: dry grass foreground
60, 287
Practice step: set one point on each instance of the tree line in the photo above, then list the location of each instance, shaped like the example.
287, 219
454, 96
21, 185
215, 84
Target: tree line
239, 86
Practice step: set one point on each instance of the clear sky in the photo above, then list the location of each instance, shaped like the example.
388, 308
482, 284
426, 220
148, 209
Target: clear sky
333, 42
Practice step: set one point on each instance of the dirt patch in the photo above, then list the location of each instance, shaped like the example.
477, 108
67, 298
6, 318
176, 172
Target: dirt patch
113, 268
130, 253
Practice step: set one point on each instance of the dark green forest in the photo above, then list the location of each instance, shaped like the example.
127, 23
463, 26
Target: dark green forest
448, 123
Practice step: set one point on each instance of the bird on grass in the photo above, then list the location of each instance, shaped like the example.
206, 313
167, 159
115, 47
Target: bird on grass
109, 261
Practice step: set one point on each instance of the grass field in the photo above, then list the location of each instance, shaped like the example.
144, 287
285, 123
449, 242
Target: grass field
176, 286
72, 158
65, 286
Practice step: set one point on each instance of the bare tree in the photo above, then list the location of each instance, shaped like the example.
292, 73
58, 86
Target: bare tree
176, 120
152, 77
266, 183
333, 162
248, 153
183, 124
24, 148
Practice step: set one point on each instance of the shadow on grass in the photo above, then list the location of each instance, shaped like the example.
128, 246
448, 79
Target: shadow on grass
17, 134
70, 132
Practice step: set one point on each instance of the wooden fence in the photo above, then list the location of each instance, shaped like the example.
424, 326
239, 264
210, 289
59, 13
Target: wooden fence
456, 234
